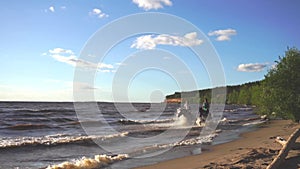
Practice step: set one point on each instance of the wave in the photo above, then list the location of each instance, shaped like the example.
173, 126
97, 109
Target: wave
43, 123
247, 120
37, 110
54, 140
90, 122
103, 160
129, 121
188, 142
90, 163
28, 126
254, 122
181, 122
240, 109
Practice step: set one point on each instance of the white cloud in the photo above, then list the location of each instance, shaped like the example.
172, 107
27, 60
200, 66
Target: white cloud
120, 63
67, 56
223, 35
98, 12
152, 4
51, 8
107, 66
251, 67
60, 51
151, 41
54, 9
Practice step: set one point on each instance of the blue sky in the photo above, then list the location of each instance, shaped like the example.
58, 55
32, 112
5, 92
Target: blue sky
41, 42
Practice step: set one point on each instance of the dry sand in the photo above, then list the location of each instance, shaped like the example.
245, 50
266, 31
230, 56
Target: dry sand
254, 149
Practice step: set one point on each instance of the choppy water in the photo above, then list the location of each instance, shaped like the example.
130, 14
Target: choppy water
41, 135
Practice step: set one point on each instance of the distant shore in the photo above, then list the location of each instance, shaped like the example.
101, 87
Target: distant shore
255, 149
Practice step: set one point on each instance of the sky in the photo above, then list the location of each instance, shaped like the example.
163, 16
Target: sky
43, 43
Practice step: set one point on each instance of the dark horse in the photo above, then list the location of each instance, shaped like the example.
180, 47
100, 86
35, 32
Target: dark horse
203, 113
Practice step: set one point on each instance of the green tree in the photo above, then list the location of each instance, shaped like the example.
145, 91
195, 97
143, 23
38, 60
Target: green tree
256, 95
281, 91
244, 96
233, 97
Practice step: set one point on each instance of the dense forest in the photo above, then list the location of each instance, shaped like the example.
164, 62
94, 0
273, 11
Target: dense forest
277, 94
247, 93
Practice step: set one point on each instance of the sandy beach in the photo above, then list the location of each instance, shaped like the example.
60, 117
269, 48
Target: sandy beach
255, 149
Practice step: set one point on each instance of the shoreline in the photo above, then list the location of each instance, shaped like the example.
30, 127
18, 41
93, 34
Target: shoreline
254, 149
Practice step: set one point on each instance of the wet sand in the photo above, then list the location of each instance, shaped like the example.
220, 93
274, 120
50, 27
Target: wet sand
255, 149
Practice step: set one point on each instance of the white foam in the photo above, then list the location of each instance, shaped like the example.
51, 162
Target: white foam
254, 123
53, 139
147, 121
89, 163
193, 141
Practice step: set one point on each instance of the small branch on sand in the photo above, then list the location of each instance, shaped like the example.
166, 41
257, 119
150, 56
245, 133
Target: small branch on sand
287, 145
280, 140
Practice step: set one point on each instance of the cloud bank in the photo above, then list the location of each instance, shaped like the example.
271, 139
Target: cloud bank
152, 4
223, 34
151, 41
251, 67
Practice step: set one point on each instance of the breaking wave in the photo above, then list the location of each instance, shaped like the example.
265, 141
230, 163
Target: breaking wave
188, 142
53, 140
130, 121
89, 163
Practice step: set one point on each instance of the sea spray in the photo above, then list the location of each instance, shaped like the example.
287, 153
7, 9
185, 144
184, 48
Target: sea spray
181, 121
